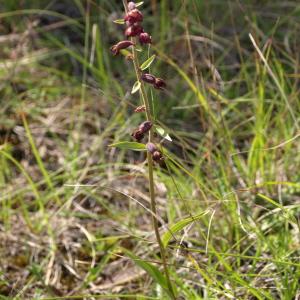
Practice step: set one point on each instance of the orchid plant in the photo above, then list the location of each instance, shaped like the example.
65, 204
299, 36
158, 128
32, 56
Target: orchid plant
144, 133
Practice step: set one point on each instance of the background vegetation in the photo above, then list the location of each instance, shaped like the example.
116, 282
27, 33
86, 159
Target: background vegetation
74, 217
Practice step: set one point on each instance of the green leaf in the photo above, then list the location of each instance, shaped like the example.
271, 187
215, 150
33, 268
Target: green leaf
151, 270
180, 225
139, 4
145, 65
119, 21
129, 146
163, 133
136, 87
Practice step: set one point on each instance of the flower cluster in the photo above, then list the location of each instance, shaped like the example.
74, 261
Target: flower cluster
135, 31
133, 20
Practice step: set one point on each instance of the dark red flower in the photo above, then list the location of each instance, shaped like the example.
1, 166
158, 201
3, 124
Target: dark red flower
131, 6
138, 135
121, 45
133, 30
151, 147
145, 126
148, 78
159, 83
134, 16
145, 38
157, 156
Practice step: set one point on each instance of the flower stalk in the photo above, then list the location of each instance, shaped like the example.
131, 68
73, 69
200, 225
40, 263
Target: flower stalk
151, 174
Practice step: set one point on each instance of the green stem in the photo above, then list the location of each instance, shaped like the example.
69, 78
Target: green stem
150, 166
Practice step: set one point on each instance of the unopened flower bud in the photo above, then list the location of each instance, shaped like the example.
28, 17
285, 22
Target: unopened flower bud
134, 16
141, 108
133, 30
138, 135
157, 156
121, 45
159, 84
145, 38
131, 6
148, 78
145, 126
151, 147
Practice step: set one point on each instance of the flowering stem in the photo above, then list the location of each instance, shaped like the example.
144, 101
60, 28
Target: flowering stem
151, 178
146, 103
